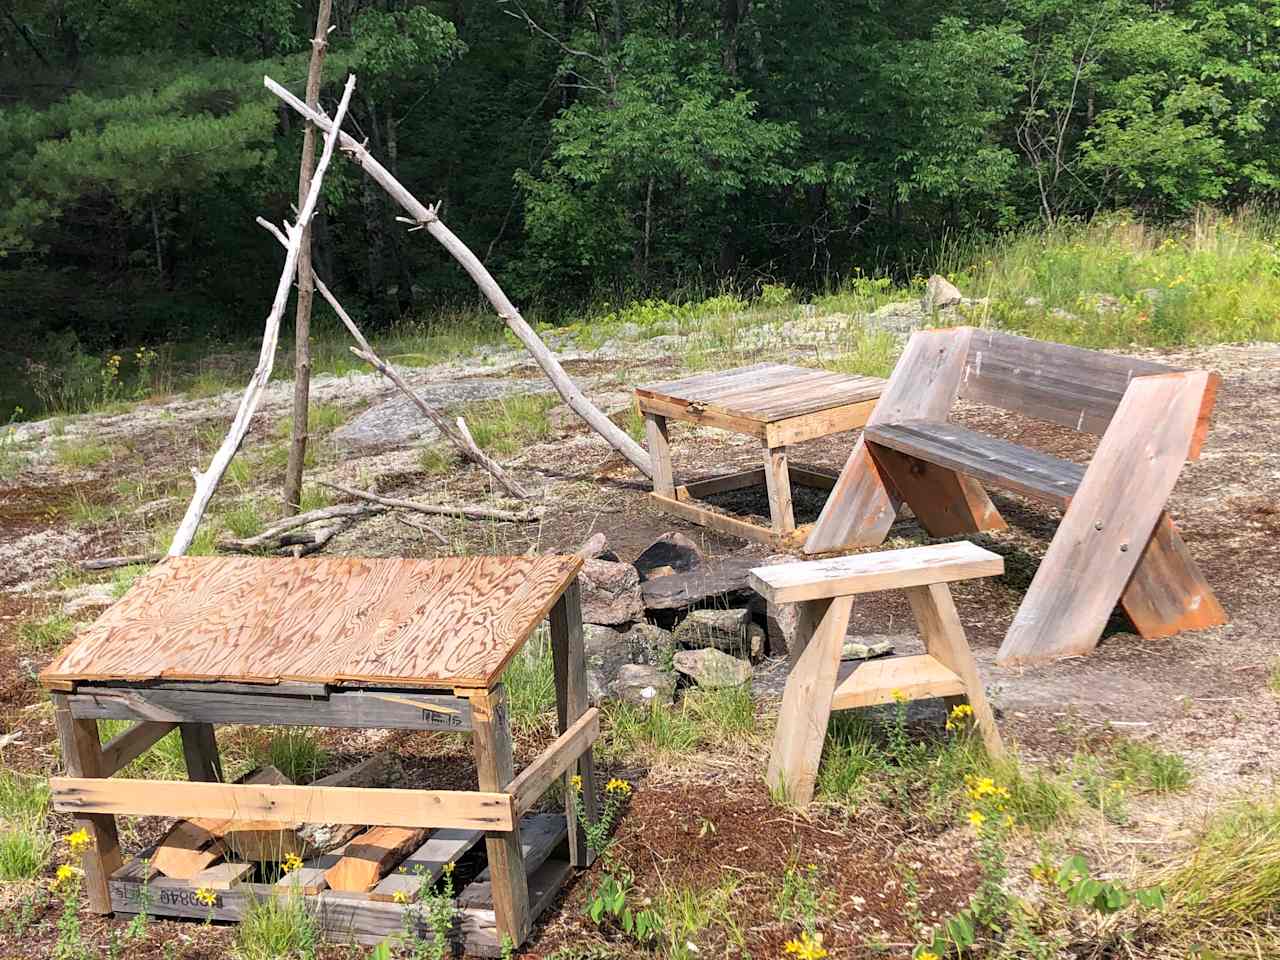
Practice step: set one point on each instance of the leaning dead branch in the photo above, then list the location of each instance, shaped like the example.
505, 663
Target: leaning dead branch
462, 440
206, 482
426, 218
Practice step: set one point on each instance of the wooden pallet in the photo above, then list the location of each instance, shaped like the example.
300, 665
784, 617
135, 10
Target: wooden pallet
365, 918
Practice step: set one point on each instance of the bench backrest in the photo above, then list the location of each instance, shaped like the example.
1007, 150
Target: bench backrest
1071, 386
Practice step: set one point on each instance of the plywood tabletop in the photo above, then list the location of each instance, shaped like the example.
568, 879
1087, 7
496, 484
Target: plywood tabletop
766, 392
450, 622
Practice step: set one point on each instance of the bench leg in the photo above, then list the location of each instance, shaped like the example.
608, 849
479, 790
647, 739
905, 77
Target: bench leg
569, 659
806, 702
777, 479
1167, 592
860, 510
655, 429
1111, 518
946, 503
944, 640
495, 768
82, 757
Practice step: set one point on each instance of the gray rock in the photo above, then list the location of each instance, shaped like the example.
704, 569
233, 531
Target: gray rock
730, 630
397, 421
641, 684
609, 651
939, 292
1033, 302
596, 547
671, 553
610, 592
864, 648
712, 668
710, 581
1151, 295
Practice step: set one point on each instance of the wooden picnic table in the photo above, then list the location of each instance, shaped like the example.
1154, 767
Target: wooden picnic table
776, 403
340, 642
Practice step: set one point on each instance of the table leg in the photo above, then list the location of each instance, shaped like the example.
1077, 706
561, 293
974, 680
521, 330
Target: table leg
806, 702
570, 661
655, 429
200, 750
495, 768
777, 479
82, 757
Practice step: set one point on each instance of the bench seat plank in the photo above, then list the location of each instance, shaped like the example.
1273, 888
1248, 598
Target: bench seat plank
990, 459
869, 572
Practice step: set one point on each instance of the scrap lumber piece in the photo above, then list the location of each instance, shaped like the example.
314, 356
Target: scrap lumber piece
540, 834
320, 837
371, 855
426, 864
262, 840
196, 844
304, 880
221, 876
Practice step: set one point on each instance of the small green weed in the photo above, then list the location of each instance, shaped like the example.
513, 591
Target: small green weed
657, 730
436, 460
531, 687
276, 927
297, 755
243, 520
502, 427
46, 634
164, 761
82, 454
1150, 768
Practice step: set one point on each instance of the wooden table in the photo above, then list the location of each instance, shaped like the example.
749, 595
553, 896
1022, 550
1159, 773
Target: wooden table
779, 405
339, 642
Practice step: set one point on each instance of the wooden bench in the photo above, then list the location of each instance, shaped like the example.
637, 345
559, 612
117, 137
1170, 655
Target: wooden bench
820, 683
779, 405
1116, 541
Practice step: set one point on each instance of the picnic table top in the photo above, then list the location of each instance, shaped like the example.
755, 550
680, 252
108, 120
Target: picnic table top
765, 392
450, 622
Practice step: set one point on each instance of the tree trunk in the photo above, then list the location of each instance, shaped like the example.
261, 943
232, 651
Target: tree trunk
306, 284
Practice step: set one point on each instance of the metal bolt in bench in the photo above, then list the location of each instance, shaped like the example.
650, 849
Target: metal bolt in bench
820, 683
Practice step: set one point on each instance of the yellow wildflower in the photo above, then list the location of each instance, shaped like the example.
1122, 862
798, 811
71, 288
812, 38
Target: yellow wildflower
79, 841
64, 874
958, 714
291, 863
898, 696
400, 896
927, 955
976, 818
576, 782
206, 896
620, 787
448, 868
808, 947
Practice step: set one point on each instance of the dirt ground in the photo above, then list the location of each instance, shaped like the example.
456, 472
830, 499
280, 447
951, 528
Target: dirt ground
1202, 695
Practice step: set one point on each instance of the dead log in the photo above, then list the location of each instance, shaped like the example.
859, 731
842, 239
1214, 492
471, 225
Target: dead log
129, 560
460, 439
425, 217
208, 481
468, 510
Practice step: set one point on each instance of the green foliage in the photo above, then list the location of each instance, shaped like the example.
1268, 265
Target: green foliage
45, 635
274, 927
508, 425
82, 454
531, 687
164, 761
296, 754
1102, 896
1150, 768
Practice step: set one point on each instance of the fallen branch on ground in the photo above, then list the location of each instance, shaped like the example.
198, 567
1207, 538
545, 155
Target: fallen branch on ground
467, 510
208, 481
462, 440
426, 217
129, 560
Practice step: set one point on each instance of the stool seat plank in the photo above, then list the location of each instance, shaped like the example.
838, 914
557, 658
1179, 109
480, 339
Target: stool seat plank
869, 572
878, 681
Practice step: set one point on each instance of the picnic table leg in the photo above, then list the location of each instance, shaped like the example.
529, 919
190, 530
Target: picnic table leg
944, 640
495, 769
200, 750
570, 662
82, 757
806, 702
777, 480
655, 429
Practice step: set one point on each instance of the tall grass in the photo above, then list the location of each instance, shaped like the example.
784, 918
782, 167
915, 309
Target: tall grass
25, 842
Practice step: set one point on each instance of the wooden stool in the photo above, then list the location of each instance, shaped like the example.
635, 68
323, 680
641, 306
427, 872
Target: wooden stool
820, 683
779, 405
335, 642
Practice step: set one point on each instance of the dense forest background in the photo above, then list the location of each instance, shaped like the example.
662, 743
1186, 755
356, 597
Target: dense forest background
594, 150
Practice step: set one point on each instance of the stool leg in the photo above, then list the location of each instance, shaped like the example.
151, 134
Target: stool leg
944, 640
82, 757
777, 480
495, 768
569, 659
806, 702
655, 430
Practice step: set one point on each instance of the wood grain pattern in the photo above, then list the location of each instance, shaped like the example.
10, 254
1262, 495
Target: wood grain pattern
946, 503
569, 664
868, 572
1167, 592
426, 864
873, 682
1113, 514
454, 621
371, 855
